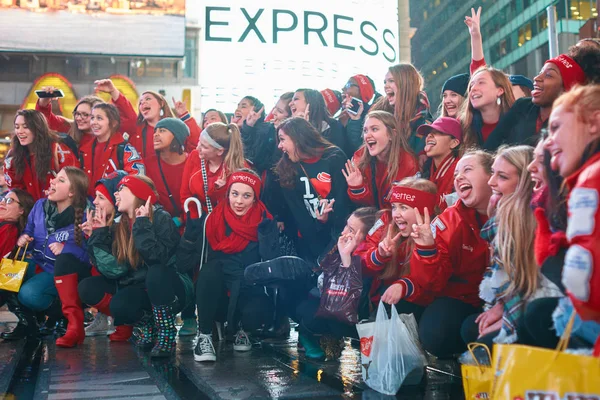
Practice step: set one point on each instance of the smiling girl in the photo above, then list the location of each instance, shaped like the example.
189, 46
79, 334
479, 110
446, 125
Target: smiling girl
79, 128
211, 116
54, 234
573, 143
453, 95
310, 105
405, 99
384, 158
220, 152
489, 97
36, 154
232, 236
314, 189
152, 108
109, 151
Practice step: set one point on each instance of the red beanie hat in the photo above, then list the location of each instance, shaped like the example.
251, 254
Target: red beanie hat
571, 73
366, 88
331, 101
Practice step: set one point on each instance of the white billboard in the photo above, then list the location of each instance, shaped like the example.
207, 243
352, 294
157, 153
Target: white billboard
268, 47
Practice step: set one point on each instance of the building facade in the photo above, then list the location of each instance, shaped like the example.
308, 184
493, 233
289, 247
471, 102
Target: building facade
515, 35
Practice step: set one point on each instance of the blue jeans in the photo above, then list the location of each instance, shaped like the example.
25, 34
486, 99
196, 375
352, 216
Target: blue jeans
586, 330
38, 290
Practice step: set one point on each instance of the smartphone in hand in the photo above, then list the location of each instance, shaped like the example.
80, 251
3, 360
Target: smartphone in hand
354, 106
42, 94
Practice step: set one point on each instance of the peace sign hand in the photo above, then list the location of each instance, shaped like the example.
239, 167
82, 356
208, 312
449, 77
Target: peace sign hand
327, 205
422, 234
474, 22
352, 174
180, 107
144, 210
254, 116
306, 114
389, 244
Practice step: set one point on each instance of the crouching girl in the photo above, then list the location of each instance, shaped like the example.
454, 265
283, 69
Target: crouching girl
135, 256
232, 242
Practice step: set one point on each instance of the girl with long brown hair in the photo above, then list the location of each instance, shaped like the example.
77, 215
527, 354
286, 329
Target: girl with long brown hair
513, 279
139, 285
314, 189
384, 158
60, 255
79, 128
36, 154
489, 98
152, 108
405, 99
109, 151
220, 152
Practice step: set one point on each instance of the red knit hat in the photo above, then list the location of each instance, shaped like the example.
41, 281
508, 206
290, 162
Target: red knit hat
366, 88
331, 101
139, 188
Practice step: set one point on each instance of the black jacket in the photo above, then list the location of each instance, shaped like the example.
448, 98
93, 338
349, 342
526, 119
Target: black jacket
260, 145
336, 134
155, 241
517, 126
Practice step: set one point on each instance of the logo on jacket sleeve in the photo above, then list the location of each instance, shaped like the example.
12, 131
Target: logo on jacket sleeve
583, 204
577, 272
131, 153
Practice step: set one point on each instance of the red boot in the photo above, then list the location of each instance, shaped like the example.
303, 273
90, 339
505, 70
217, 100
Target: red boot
66, 286
122, 333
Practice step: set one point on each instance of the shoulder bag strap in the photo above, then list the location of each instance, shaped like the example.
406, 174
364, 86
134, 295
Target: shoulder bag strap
168, 189
205, 179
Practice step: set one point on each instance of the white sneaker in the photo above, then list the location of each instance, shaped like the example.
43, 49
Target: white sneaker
204, 350
242, 341
100, 326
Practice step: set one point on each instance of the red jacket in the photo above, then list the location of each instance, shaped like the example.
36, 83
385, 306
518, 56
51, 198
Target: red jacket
581, 273
62, 157
9, 233
363, 195
131, 162
454, 266
373, 263
172, 177
443, 177
141, 135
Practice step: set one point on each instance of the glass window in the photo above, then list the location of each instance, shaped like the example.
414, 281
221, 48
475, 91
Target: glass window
191, 57
524, 34
542, 21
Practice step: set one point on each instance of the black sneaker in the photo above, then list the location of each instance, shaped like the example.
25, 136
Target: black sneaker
204, 350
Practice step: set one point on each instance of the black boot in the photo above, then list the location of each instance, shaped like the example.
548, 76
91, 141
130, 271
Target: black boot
144, 332
50, 325
27, 325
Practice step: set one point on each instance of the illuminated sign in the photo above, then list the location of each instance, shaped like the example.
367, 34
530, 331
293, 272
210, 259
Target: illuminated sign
112, 27
270, 47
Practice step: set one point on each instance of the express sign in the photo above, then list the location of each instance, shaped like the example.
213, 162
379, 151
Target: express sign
271, 46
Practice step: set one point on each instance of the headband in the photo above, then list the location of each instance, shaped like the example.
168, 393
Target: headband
365, 86
331, 101
414, 198
109, 196
570, 71
247, 178
139, 188
205, 135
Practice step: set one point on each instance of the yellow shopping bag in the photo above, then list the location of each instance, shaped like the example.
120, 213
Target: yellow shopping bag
533, 373
477, 379
12, 271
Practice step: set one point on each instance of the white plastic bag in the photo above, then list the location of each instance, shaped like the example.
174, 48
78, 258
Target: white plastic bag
388, 353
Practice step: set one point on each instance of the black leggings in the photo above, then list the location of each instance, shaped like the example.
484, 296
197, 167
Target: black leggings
67, 264
470, 332
254, 308
129, 303
309, 322
440, 326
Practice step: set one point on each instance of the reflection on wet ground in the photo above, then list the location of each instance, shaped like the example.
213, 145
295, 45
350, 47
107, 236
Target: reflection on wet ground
36, 369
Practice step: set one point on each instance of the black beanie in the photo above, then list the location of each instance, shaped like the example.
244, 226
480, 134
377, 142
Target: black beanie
458, 84
177, 127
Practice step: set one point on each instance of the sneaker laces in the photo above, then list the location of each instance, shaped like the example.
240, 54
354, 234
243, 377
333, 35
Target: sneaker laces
205, 344
241, 338
97, 323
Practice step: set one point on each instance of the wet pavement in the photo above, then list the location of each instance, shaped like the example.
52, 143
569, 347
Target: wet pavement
36, 369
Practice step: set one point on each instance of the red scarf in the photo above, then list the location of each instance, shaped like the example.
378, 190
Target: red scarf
243, 229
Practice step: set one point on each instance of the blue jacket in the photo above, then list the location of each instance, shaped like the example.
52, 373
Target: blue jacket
37, 228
